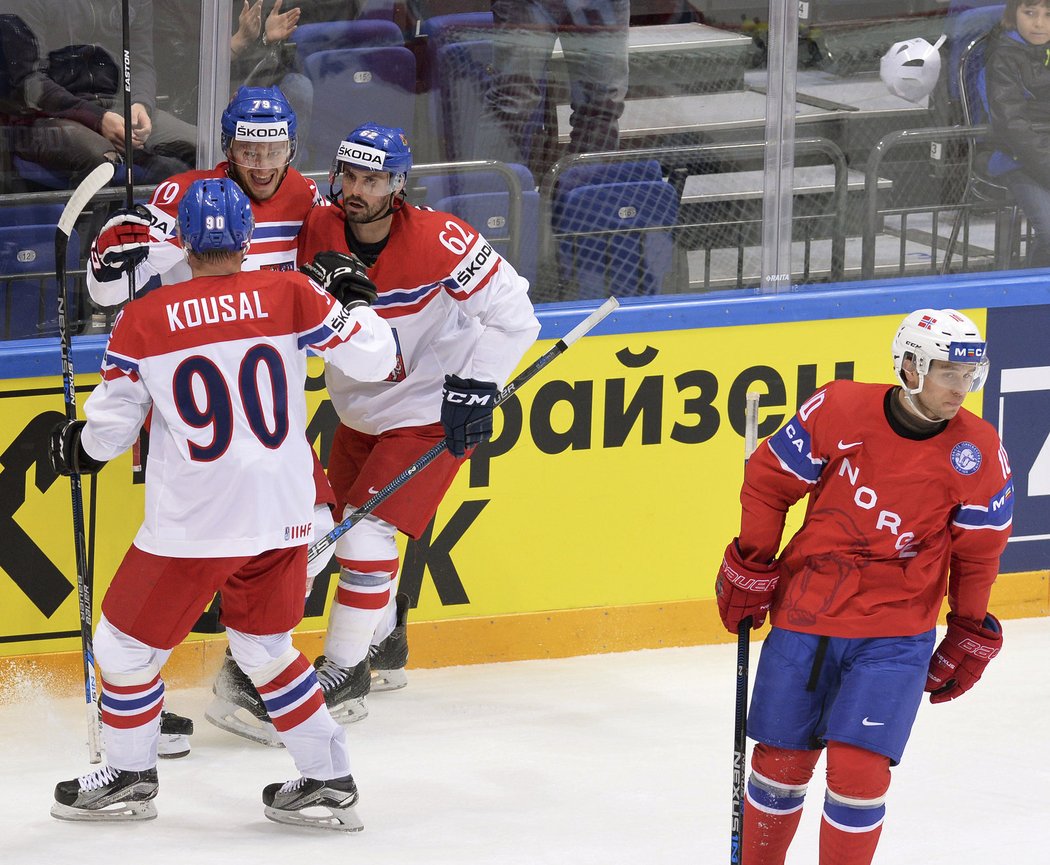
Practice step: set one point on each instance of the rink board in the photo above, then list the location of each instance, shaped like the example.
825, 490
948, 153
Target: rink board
595, 519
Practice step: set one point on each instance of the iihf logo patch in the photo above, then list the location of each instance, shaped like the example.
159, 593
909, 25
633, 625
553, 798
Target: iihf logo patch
966, 458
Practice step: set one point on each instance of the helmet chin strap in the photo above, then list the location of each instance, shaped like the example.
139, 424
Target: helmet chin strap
912, 406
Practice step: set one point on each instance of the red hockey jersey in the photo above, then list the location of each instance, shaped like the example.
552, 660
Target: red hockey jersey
892, 521
274, 240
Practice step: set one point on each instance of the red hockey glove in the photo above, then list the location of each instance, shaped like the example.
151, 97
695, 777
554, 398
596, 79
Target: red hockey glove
960, 659
744, 589
122, 244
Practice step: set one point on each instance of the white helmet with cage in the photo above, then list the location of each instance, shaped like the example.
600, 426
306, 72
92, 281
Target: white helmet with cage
910, 69
927, 335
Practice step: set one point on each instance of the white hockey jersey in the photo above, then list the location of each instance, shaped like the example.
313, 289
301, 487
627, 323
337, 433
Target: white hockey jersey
455, 305
222, 362
274, 240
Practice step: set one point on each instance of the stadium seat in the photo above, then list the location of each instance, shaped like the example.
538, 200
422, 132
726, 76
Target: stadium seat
613, 229
30, 214
481, 199
28, 294
357, 85
330, 35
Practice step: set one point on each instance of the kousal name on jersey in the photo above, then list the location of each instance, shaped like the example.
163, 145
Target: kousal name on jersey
197, 311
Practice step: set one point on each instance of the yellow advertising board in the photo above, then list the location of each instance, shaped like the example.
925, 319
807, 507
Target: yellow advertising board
612, 479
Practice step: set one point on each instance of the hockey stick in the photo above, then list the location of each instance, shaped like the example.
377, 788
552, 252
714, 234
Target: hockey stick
743, 663
129, 147
426, 459
76, 204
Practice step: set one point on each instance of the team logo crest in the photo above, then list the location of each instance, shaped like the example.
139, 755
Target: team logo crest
966, 458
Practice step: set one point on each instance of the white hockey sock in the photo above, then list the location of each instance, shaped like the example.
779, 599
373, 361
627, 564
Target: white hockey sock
389, 618
289, 688
361, 600
132, 697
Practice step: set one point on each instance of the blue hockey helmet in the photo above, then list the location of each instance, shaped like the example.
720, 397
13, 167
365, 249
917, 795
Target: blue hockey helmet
261, 115
215, 215
376, 148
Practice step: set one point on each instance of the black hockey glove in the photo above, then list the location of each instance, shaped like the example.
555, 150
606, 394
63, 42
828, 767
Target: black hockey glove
122, 244
343, 276
466, 412
67, 454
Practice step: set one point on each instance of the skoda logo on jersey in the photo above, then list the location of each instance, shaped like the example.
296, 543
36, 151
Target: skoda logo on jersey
966, 458
358, 154
966, 352
246, 131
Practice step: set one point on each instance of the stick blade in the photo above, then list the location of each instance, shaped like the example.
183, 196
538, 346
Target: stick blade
89, 186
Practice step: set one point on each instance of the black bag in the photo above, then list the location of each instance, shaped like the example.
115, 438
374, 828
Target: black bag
84, 70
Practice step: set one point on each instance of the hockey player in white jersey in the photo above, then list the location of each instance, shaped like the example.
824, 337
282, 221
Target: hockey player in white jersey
259, 140
462, 320
221, 362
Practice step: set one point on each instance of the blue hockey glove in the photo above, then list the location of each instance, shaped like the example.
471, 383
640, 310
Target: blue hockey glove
466, 412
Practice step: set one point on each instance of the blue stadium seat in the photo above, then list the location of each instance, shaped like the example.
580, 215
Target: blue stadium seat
31, 214
356, 85
455, 77
615, 224
28, 294
481, 199
330, 35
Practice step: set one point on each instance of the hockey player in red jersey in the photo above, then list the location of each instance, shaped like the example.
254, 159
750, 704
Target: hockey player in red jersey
221, 362
910, 498
462, 319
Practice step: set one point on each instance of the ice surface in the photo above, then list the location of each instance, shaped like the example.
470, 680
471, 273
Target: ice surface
608, 759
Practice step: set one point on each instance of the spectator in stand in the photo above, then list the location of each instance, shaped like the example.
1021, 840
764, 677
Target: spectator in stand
1017, 83
593, 35
72, 116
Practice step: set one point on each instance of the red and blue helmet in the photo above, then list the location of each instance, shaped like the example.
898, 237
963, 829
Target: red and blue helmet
376, 148
261, 115
215, 215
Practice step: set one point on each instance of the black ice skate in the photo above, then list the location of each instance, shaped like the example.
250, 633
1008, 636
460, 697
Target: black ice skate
344, 688
238, 708
107, 794
318, 804
388, 658
175, 732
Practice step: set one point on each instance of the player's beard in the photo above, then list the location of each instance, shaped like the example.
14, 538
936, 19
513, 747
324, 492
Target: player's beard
359, 211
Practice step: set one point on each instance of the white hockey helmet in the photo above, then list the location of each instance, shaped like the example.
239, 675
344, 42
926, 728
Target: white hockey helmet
910, 69
927, 335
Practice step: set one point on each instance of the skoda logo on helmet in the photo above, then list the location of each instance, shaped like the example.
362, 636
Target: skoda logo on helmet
358, 154
246, 131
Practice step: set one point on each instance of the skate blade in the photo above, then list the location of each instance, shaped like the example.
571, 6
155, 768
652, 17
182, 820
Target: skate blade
388, 680
119, 813
172, 746
239, 721
349, 711
318, 817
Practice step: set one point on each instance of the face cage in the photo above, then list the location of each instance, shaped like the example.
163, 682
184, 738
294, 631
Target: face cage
227, 151
398, 180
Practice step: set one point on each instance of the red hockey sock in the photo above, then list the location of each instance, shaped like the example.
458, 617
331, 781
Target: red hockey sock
776, 792
838, 847
854, 806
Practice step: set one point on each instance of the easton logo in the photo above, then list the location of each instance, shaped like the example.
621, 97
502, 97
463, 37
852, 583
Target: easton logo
351, 152
261, 131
